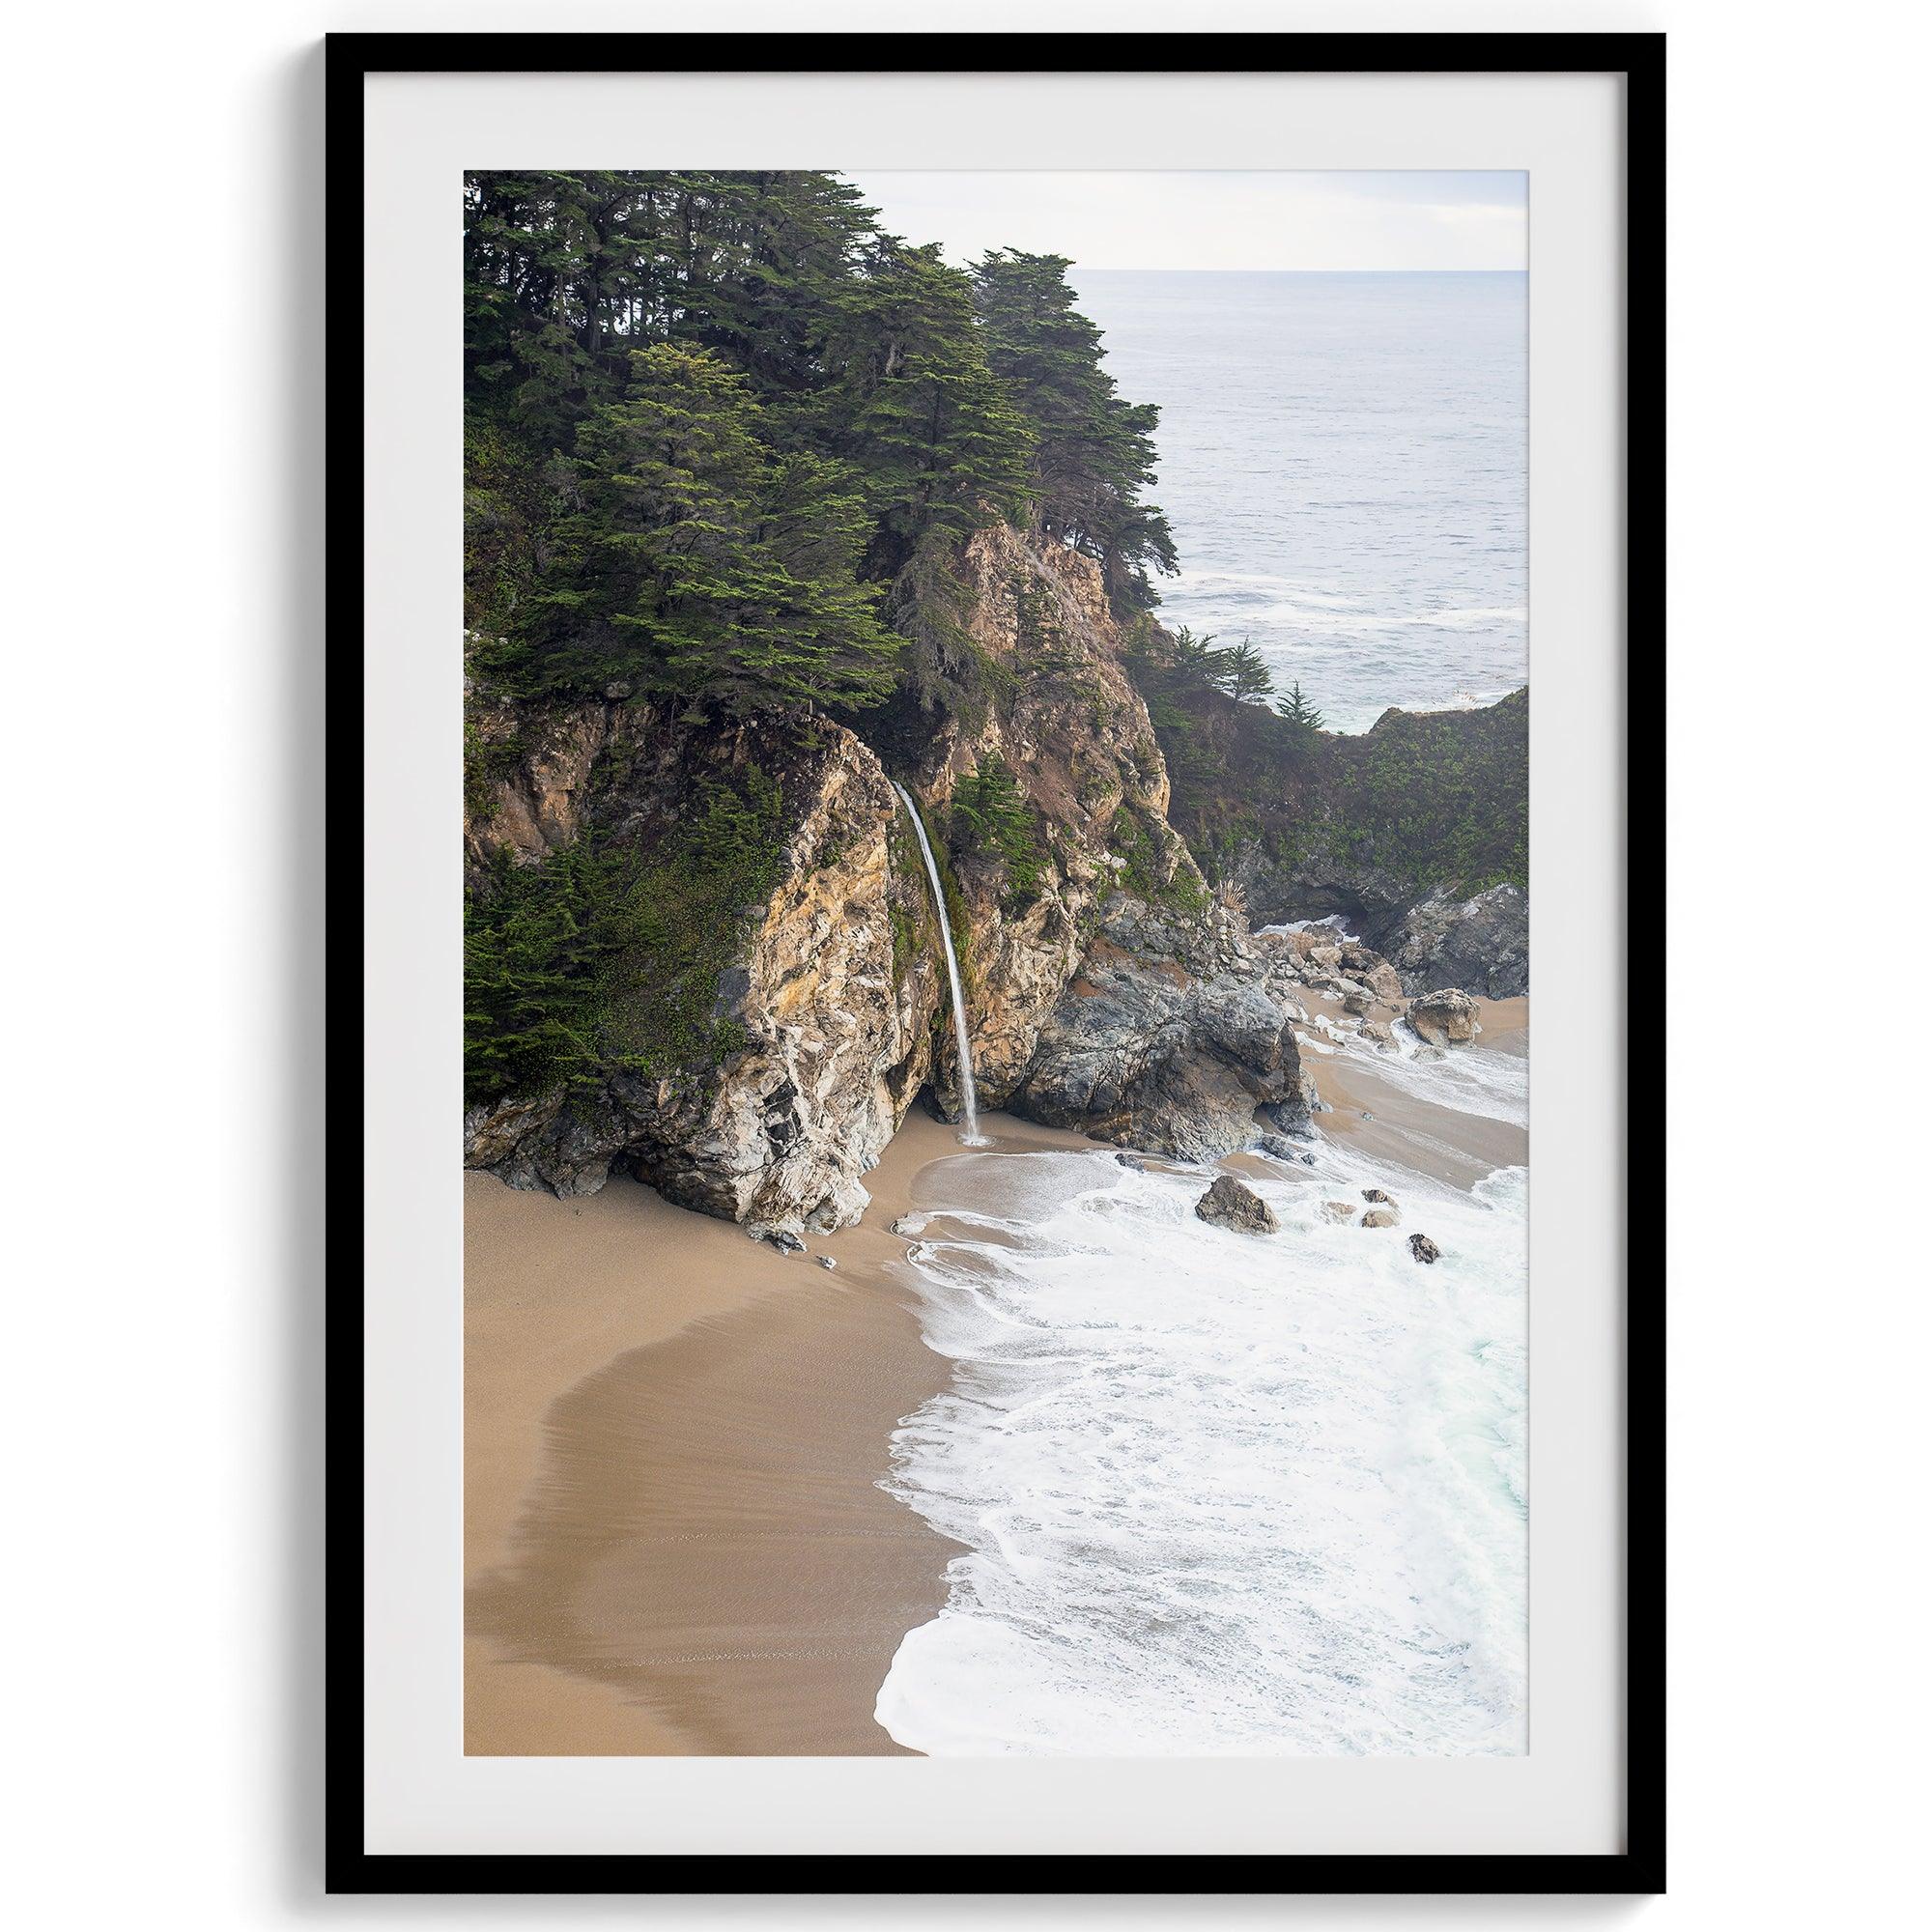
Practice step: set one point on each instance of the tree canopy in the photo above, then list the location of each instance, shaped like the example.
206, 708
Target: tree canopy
1093, 451
725, 436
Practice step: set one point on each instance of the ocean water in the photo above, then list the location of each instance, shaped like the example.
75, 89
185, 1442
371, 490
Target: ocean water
1344, 459
1220, 1495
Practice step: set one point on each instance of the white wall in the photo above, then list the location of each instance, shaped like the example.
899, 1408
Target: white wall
162, 619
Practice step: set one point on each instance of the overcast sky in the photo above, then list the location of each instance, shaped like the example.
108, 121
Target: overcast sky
1216, 220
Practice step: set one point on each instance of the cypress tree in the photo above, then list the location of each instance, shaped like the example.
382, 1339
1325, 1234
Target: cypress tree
913, 404
1298, 710
703, 564
1094, 451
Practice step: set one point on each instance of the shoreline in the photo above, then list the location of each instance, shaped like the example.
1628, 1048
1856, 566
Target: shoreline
674, 1538
675, 1541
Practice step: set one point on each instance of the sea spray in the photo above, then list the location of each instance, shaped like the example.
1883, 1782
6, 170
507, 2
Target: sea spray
1219, 1496
969, 1106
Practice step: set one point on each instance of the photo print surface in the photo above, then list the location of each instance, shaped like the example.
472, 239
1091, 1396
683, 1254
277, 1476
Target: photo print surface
996, 963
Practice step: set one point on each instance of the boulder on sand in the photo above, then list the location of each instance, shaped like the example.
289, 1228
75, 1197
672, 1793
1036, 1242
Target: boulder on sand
1228, 1204
1444, 1018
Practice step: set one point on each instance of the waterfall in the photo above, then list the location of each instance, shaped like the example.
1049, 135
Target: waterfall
969, 1105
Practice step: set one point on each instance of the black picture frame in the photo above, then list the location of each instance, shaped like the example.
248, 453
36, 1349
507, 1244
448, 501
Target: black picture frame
1639, 1868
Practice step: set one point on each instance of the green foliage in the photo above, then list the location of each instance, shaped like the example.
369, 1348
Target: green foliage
725, 438
912, 403
1147, 873
990, 813
1441, 797
905, 943
1435, 797
1094, 452
943, 667
606, 959
484, 763
703, 565
1241, 672
565, 273
1298, 710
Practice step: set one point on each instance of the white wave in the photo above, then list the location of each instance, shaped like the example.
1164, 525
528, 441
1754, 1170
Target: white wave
1471, 618
1469, 1079
1335, 921
1329, 616
1219, 1495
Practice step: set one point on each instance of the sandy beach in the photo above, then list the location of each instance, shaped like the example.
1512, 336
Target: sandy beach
674, 1541
1376, 1115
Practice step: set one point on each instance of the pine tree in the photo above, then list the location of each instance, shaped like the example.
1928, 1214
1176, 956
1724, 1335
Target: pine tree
704, 566
1298, 710
914, 406
1242, 672
1094, 452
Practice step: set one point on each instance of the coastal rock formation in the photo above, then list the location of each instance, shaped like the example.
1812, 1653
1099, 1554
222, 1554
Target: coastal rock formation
526, 777
1481, 942
1168, 1040
1379, 1217
817, 1031
749, 1053
1229, 1204
1444, 1018
753, 1055
1413, 833
1424, 1250
1066, 760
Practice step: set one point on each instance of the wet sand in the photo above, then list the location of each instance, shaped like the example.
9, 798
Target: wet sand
674, 1538
1373, 1113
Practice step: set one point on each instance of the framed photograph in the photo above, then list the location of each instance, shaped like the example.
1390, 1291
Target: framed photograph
983, 662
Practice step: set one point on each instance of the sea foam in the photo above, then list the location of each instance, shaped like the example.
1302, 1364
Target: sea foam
1220, 1495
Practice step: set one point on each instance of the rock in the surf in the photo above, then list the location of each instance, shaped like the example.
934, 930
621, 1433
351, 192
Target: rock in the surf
1444, 1018
1229, 1204
1168, 1040
1424, 1249
1379, 1217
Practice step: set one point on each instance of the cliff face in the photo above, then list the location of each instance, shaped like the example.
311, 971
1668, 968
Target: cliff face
820, 1010
1415, 831
756, 1069
1073, 735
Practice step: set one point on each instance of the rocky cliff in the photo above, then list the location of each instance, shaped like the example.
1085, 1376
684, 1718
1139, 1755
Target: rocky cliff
816, 1024
1415, 831
752, 990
